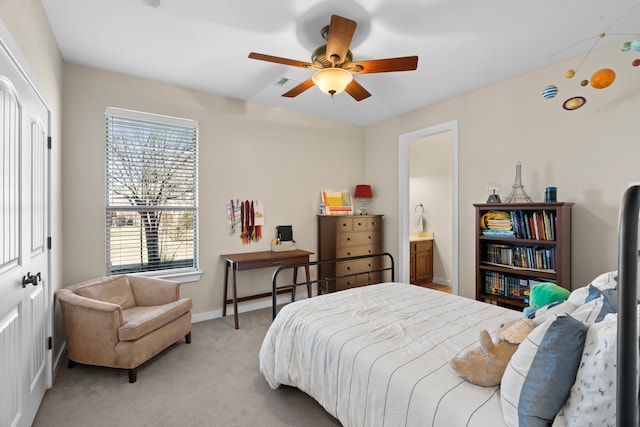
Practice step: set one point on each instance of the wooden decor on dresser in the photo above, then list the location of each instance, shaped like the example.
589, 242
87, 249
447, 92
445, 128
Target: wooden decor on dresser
346, 236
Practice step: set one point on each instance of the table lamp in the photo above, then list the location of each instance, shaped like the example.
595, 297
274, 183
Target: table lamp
362, 193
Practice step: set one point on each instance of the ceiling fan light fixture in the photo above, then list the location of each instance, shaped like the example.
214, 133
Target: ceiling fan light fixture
332, 80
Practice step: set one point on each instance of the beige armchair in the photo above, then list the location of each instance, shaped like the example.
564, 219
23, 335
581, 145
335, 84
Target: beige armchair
122, 321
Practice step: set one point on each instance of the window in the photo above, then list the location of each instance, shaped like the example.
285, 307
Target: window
151, 192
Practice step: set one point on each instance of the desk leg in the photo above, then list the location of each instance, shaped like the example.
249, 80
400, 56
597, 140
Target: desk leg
295, 282
226, 283
306, 271
235, 299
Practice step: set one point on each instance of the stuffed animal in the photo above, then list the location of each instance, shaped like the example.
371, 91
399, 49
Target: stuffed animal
543, 294
486, 364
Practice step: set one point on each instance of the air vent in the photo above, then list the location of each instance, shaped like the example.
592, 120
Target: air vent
287, 82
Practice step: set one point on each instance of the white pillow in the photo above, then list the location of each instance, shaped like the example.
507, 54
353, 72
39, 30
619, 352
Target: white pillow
600, 303
540, 374
593, 395
540, 315
604, 281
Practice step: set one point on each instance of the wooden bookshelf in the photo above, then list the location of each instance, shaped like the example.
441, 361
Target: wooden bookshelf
538, 250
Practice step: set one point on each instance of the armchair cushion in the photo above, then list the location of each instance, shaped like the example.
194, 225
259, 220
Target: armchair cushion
116, 290
139, 321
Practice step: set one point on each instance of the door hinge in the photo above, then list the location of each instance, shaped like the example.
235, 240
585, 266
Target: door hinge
49, 242
50, 343
49, 143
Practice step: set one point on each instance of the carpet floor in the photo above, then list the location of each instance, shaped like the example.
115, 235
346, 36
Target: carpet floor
214, 381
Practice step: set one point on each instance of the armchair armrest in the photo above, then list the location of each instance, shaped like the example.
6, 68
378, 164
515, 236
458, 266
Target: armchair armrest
153, 291
91, 326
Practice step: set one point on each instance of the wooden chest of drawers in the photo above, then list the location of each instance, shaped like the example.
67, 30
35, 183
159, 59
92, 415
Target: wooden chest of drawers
346, 236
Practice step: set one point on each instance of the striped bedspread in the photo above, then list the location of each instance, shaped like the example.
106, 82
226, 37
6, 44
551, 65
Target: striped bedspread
379, 355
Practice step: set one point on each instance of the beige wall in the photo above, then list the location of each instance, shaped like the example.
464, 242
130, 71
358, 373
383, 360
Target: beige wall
247, 151
590, 154
32, 42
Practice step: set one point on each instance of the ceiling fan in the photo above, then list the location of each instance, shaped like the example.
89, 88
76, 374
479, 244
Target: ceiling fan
334, 63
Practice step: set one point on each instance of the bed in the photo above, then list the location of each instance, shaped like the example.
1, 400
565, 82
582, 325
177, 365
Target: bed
379, 355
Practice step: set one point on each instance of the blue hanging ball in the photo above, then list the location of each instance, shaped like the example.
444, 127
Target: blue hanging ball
549, 92
635, 45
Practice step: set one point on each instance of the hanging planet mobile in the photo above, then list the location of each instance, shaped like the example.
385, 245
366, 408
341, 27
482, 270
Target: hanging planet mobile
574, 103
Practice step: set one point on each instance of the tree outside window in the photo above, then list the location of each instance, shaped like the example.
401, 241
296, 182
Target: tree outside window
151, 192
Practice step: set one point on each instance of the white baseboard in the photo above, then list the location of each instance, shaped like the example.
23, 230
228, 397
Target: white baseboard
441, 282
247, 306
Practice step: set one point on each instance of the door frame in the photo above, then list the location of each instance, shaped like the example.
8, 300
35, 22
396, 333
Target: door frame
22, 65
404, 142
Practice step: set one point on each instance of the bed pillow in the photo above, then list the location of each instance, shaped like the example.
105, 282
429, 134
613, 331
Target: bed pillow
603, 282
594, 391
540, 374
598, 304
540, 315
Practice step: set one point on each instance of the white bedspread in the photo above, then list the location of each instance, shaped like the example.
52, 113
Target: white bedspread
379, 355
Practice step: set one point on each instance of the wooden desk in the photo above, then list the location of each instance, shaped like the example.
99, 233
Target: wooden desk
256, 260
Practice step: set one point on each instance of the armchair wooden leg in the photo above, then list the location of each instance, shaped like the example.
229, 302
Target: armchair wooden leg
187, 338
133, 375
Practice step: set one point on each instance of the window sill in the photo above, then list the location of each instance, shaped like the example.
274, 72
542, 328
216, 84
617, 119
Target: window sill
182, 276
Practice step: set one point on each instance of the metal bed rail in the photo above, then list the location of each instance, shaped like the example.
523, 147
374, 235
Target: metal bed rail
388, 266
627, 357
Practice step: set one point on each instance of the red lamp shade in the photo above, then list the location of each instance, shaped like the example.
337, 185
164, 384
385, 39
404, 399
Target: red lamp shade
363, 191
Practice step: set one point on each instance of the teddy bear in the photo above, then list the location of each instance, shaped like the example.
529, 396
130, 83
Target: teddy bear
486, 364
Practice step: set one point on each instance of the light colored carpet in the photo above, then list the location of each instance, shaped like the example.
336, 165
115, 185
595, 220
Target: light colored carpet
214, 381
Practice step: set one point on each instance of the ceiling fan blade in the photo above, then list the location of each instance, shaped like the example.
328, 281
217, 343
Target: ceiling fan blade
279, 60
356, 90
405, 63
299, 89
340, 34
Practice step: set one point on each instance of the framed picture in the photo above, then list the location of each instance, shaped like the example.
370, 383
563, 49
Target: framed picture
337, 202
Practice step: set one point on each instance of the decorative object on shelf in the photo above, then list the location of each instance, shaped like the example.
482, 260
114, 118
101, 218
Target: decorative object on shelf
518, 195
336, 202
550, 195
362, 193
493, 197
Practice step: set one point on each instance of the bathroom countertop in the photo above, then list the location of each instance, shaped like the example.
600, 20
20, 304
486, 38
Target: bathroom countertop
416, 236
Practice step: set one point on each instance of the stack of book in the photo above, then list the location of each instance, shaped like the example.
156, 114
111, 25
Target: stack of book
498, 225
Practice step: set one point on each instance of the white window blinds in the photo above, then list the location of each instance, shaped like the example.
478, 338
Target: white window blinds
151, 192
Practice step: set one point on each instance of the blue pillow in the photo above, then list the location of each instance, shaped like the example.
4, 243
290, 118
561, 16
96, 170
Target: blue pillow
540, 374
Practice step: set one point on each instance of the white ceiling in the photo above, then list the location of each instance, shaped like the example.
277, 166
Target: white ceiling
462, 44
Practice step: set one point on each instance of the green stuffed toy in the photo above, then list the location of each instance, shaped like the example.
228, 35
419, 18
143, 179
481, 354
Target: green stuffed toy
543, 294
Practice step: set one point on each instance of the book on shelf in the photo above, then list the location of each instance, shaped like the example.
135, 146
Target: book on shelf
534, 225
510, 286
498, 233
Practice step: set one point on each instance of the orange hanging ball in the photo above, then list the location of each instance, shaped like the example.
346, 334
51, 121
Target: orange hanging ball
603, 78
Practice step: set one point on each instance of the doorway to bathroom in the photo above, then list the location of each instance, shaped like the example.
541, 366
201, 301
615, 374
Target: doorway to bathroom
428, 190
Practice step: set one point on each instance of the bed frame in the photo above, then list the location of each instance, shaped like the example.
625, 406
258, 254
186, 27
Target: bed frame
627, 386
386, 266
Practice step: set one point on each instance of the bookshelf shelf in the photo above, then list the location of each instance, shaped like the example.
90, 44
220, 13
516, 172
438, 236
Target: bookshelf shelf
536, 249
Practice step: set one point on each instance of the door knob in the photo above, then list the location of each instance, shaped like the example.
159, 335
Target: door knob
29, 278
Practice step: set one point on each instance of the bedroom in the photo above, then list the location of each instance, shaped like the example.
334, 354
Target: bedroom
589, 154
